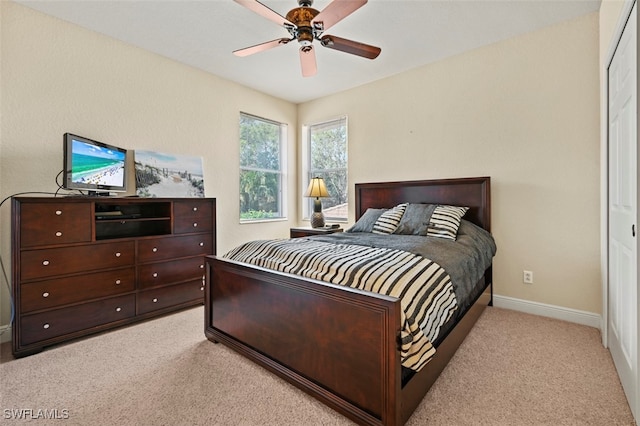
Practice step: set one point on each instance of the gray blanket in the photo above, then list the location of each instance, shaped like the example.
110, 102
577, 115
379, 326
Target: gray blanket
465, 259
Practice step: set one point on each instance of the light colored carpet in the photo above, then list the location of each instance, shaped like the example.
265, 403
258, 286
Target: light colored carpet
513, 369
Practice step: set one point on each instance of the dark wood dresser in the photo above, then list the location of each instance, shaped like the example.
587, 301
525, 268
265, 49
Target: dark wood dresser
82, 265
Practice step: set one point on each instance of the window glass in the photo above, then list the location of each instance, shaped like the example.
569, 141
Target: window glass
328, 159
261, 168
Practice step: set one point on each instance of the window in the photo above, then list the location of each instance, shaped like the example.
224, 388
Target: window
327, 158
262, 146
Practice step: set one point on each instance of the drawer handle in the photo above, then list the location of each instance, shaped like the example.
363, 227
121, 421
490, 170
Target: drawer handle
45, 262
58, 234
195, 225
155, 300
155, 249
45, 294
118, 309
201, 288
201, 266
118, 254
201, 244
195, 209
155, 275
118, 282
46, 326
58, 212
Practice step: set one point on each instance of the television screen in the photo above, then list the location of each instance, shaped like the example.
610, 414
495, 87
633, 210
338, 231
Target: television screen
93, 166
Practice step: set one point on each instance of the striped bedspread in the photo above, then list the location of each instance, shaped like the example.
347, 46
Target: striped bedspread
424, 288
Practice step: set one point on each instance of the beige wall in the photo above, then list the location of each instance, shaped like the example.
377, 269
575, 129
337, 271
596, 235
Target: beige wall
610, 11
58, 77
525, 112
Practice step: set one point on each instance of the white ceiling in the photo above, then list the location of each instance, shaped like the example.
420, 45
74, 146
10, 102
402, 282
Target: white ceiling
411, 33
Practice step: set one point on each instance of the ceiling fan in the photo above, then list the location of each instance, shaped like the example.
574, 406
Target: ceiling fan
306, 24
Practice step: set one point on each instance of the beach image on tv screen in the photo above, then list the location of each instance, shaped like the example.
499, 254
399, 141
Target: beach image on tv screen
95, 165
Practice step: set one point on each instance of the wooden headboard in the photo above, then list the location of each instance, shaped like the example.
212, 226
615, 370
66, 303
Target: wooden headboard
474, 193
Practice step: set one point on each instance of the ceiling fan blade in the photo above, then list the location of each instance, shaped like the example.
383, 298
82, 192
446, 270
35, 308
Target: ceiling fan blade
335, 12
266, 12
350, 46
308, 61
261, 47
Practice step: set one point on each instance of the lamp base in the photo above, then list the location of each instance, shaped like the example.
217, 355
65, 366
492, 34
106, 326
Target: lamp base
317, 220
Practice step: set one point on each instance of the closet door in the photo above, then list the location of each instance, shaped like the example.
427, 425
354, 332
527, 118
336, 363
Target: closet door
623, 212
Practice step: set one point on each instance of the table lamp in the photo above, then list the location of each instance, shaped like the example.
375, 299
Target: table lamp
317, 189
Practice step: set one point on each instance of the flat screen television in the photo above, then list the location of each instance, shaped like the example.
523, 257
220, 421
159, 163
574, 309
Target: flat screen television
93, 166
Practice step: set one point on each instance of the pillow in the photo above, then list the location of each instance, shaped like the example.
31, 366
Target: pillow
388, 221
445, 221
415, 220
366, 221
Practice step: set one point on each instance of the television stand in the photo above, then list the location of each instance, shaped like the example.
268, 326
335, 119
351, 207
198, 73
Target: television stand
82, 265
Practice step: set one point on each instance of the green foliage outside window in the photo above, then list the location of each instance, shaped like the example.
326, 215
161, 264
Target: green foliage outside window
260, 168
328, 151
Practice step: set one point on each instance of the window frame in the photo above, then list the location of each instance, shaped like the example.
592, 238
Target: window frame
281, 173
308, 172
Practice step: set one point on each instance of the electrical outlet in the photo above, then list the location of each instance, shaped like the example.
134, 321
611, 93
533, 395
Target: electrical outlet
527, 277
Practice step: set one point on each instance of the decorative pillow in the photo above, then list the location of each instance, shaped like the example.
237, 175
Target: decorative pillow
445, 221
366, 221
415, 220
388, 221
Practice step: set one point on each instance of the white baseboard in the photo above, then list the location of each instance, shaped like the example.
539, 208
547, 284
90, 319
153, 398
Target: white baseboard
558, 312
5, 333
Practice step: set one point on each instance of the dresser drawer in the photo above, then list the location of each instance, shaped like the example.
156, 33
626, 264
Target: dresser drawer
54, 223
68, 260
192, 216
155, 249
162, 273
165, 297
58, 322
62, 291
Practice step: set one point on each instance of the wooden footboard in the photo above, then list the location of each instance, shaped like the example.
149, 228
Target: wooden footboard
336, 343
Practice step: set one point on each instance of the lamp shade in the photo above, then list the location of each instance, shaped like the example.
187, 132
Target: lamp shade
316, 188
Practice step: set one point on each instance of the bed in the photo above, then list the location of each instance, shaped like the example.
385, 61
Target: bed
342, 345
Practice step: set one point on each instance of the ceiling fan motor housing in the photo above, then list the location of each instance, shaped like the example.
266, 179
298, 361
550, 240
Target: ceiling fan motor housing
302, 17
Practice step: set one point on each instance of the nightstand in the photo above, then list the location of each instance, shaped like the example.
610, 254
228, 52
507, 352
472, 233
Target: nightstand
307, 231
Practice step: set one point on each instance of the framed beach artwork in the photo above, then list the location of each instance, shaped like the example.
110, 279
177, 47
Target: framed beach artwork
168, 175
